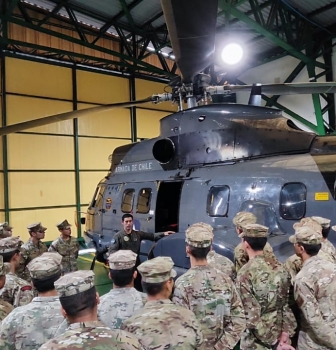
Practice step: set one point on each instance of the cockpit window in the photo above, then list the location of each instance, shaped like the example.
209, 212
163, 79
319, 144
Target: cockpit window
293, 201
144, 198
127, 200
97, 197
218, 201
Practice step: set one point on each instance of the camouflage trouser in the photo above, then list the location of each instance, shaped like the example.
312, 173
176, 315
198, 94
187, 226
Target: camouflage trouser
305, 343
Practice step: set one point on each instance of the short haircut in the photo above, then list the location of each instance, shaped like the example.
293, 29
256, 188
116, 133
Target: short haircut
199, 253
7, 257
46, 284
153, 289
311, 249
325, 232
122, 278
125, 216
256, 243
79, 304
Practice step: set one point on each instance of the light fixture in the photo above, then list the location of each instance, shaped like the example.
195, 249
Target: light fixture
232, 53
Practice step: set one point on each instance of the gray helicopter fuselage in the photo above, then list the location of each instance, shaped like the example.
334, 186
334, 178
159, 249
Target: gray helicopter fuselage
214, 161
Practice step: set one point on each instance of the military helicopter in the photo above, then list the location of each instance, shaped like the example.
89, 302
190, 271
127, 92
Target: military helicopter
210, 160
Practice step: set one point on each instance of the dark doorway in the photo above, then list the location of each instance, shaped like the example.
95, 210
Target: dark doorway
167, 206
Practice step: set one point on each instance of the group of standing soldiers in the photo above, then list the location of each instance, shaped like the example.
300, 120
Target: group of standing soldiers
216, 304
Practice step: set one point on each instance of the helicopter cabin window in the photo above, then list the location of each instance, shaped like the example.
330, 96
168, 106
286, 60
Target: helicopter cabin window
144, 198
218, 201
293, 201
127, 200
97, 197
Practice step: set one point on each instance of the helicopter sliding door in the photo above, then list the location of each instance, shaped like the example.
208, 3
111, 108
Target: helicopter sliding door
94, 212
167, 206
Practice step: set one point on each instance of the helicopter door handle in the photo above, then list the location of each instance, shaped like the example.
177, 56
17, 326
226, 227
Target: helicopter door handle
149, 218
102, 210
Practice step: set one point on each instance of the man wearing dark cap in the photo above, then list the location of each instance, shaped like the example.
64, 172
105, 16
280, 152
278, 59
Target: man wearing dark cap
263, 283
66, 246
31, 249
79, 301
123, 300
30, 326
162, 324
16, 291
314, 292
5, 230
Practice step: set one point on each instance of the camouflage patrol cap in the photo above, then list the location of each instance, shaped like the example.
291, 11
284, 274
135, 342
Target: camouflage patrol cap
4, 267
325, 223
199, 235
63, 225
36, 227
45, 265
306, 235
308, 221
10, 244
122, 260
244, 218
157, 270
5, 229
254, 230
74, 283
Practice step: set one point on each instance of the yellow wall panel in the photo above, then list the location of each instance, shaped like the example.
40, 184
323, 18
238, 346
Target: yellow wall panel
27, 151
2, 216
93, 153
39, 79
116, 123
1, 163
38, 189
20, 109
148, 122
49, 218
89, 181
100, 88
145, 88
2, 199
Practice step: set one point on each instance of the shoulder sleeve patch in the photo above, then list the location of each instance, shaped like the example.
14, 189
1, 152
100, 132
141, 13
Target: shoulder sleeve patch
24, 288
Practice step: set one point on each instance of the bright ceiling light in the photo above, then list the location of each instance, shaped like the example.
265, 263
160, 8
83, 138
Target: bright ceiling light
232, 54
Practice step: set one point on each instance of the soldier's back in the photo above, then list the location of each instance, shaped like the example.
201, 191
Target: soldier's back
328, 248
5, 309
160, 324
118, 305
30, 326
16, 291
221, 263
95, 336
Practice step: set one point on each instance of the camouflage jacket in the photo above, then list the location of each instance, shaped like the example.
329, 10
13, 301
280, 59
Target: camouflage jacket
213, 298
95, 336
69, 251
293, 265
118, 305
328, 248
314, 292
16, 291
29, 251
5, 309
263, 284
241, 257
163, 325
222, 263
30, 326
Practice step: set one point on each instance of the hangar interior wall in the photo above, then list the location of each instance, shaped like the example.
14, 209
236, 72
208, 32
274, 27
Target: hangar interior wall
49, 173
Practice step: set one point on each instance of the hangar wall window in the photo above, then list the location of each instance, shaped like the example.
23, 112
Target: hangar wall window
218, 200
293, 201
127, 200
144, 198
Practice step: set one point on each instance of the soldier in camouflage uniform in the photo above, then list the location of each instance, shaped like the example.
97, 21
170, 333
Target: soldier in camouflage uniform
123, 300
240, 256
30, 326
326, 246
16, 291
5, 230
5, 308
314, 292
263, 284
79, 305
209, 293
67, 246
31, 249
162, 324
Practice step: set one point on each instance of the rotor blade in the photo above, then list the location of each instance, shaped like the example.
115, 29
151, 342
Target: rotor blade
287, 89
192, 27
68, 115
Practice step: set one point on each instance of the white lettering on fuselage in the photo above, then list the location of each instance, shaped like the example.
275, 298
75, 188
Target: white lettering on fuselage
146, 166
